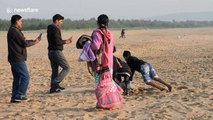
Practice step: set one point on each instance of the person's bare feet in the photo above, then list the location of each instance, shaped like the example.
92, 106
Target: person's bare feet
163, 89
170, 88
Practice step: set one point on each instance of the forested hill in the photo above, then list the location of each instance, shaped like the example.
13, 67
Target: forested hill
38, 24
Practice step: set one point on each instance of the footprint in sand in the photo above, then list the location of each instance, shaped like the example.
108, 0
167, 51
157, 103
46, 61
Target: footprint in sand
175, 96
205, 95
91, 109
182, 88
114, 115
192, 90
87, 117
211, 109
185, 99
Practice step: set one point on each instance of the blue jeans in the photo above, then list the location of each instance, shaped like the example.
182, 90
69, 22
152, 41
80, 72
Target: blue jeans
57, 59
21, 79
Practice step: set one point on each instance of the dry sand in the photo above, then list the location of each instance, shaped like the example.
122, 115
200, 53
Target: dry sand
182, 57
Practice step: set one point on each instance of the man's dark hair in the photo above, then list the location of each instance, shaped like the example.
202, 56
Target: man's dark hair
103, 20
15, 18
126, 54
57, 17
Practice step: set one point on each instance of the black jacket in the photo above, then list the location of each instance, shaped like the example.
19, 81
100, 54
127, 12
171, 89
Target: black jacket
17, 45
116, 69
134, 64
55, 41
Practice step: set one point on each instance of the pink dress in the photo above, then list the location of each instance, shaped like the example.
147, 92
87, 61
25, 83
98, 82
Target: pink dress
108, 93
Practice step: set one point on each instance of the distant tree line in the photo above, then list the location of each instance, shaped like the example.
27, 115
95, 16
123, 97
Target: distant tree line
38, 24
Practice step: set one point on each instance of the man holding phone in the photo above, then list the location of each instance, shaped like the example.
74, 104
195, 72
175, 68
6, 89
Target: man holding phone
17, 55
56, 57
40, 35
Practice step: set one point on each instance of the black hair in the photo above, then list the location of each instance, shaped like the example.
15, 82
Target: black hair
126, 54
57, 17
103, 20
15, 18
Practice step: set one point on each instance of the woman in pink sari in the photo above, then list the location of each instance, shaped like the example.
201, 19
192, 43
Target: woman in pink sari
108, 93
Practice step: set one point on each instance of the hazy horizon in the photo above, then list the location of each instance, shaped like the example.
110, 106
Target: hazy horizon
115, 9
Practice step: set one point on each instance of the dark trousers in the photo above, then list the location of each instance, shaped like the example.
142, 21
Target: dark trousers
125, 84
57, 60
21, 79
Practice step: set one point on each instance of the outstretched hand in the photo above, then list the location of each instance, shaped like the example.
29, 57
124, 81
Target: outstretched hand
37, 40
68, 41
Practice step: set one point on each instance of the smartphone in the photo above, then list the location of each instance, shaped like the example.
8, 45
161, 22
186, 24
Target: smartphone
39, 37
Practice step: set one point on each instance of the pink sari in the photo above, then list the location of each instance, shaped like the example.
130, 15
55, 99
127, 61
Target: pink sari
108, 93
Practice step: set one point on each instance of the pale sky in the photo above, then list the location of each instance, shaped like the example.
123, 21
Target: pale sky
115, 9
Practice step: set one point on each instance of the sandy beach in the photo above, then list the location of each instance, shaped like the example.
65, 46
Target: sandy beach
181, 57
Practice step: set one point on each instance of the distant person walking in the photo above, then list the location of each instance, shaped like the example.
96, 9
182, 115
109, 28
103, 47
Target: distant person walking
56, 56
123, 33
17, 55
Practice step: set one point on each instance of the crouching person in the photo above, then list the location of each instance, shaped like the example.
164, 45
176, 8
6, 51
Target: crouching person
146, 69
121, 74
